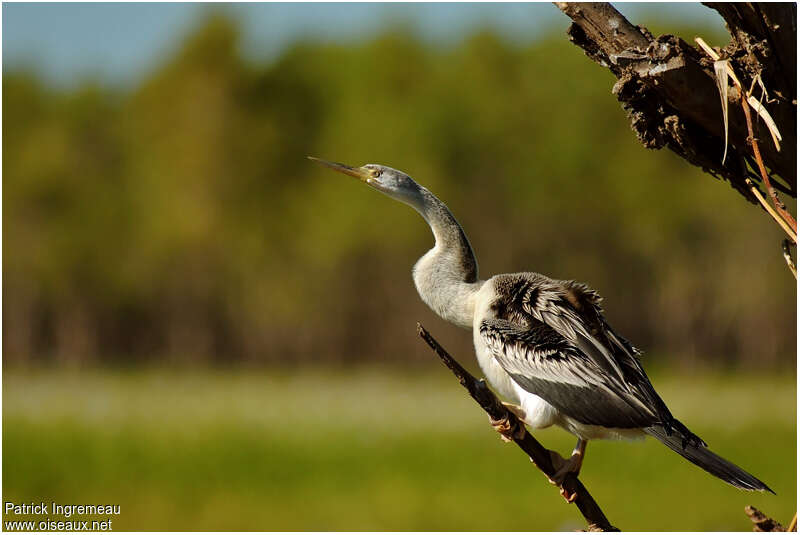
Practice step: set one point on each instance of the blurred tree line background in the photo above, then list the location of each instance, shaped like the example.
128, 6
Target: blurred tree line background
180, 222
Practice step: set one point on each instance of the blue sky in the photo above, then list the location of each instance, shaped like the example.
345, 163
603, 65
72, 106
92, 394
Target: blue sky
118, 43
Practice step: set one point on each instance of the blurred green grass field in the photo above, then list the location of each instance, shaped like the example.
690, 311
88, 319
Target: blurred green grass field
368, 449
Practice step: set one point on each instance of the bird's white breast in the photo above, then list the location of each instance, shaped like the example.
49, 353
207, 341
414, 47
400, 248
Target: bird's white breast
441, 287
539, 413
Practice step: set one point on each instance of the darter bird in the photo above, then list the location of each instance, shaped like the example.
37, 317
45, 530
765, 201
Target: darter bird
543, 343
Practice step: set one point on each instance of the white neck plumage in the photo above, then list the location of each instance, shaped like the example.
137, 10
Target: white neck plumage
446, 277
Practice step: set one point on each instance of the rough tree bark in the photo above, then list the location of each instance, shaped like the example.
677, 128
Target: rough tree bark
669, 89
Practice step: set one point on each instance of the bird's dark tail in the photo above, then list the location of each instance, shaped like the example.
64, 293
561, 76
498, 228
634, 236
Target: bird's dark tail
689, 446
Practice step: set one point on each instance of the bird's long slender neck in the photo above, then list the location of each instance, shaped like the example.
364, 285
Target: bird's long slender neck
446, 276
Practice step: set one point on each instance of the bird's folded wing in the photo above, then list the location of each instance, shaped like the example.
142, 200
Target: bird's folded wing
585, 329
555, 311
545, 363
636, 378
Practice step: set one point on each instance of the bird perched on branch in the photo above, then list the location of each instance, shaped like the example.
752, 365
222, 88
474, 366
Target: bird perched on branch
543, 343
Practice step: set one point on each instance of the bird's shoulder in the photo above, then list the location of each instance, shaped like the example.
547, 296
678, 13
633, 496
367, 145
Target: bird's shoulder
572, 309
521, 297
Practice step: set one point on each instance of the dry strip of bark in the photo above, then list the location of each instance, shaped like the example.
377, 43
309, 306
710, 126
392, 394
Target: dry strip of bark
669, 90
539, 455
762, 522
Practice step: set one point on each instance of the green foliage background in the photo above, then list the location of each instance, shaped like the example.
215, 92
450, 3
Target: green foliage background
180, 221
189, 303
366, 450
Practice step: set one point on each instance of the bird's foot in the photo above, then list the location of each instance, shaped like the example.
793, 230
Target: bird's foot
508, 431
563, 467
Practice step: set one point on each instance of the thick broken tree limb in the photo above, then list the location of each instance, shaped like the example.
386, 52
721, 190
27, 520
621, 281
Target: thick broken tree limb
670, 93
606, 26
763, 48
760, 30
538, 454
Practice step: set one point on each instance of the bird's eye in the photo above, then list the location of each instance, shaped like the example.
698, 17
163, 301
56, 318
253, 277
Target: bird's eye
376, 173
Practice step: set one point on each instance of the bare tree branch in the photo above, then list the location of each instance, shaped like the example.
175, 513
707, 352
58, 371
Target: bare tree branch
539, 455
670, 93
762, 522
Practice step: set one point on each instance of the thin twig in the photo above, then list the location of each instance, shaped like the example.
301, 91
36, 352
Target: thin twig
793, 524
539, 455
787, 255
779, 206
774, 179
770, 210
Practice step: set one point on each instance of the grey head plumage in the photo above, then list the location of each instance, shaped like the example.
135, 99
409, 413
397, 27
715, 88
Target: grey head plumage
440, 275
396, 184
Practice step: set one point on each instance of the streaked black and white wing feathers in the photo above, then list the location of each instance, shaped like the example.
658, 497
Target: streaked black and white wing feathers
543, 363
551, 338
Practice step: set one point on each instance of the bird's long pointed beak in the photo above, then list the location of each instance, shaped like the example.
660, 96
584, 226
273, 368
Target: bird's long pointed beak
357, 172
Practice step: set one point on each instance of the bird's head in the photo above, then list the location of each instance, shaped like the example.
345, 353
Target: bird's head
392, 182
